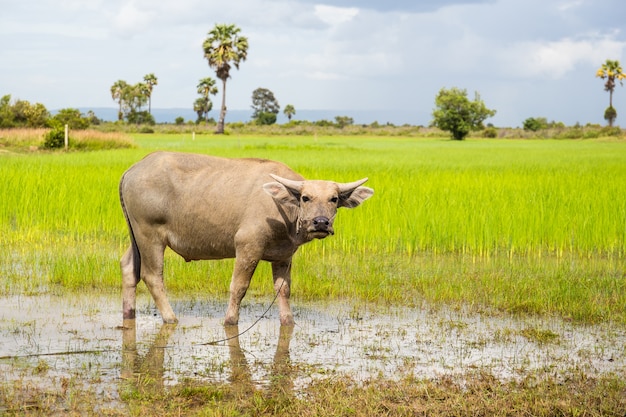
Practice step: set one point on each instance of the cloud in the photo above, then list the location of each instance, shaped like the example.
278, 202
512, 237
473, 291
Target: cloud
130, 19
366, 54
553, 60
333, 16
409, 6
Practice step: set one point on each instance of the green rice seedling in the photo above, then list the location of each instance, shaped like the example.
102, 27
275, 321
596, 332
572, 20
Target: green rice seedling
526, 226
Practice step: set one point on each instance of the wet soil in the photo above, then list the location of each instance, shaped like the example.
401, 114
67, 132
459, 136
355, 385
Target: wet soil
47, 338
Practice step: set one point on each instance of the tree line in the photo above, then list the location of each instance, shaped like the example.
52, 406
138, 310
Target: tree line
454, 112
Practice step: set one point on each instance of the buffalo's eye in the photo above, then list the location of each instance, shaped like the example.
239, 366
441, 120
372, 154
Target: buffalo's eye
305, 199
334, 200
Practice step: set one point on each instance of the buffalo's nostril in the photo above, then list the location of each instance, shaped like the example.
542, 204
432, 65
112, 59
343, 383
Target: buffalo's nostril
321, 221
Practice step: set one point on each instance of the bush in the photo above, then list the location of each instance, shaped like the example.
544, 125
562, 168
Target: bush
73, 118
490, 132
535, 123
140, 118
265, 118
611, 131
343, 121
54, 139
610, 114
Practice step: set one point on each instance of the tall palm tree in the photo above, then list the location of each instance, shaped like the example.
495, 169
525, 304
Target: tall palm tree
151, 81
610, 71
223, 47
205, 87
117, 93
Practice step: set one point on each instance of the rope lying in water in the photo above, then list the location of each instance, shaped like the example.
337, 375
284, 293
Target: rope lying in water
94, 351
69, 352
215, 342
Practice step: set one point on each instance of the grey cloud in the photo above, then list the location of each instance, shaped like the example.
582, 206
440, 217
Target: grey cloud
413, 6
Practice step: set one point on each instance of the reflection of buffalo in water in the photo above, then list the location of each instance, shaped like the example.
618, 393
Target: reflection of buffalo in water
147, 371
149, 367
280, 377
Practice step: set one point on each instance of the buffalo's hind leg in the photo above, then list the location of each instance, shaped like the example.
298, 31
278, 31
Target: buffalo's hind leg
129, 284
152, 276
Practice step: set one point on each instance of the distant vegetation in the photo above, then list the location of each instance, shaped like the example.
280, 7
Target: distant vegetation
265, 106
611, 71
456, 114
110, 135
24, 140
131, 99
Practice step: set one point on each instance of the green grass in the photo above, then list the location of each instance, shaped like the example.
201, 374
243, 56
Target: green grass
534, 226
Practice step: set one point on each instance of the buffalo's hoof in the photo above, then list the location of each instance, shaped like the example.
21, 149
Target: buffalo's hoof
287, 321
229, 321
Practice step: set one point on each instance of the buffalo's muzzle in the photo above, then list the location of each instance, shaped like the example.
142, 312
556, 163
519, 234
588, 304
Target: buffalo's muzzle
322, 224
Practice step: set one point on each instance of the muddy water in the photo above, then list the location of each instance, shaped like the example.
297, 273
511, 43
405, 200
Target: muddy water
44, 338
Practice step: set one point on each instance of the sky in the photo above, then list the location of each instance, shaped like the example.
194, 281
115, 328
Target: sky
526, 58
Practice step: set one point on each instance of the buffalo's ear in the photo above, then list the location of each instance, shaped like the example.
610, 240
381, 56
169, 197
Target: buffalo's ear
280, 193
354, 197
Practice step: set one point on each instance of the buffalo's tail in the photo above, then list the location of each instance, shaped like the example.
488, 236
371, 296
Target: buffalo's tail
133, 243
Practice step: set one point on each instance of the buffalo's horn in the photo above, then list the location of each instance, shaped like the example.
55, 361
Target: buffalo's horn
296, 185
349, 186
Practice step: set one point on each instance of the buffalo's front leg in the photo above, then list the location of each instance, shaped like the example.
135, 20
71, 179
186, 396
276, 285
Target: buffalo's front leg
282, 285
242, 274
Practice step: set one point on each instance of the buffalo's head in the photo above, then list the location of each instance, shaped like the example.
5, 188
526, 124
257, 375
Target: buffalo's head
317, 201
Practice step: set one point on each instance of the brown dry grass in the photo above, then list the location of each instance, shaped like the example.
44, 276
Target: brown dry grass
25, 139
478, 394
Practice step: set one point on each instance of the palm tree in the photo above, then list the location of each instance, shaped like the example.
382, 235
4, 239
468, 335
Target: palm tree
222, 47
611, 70
151, 81
202, 106
289, 111
117, 93
206, 86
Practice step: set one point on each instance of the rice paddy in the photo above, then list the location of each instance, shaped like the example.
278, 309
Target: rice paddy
469, 232
535, 226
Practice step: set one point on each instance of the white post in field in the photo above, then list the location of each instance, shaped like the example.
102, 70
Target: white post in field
193, 135
67, 137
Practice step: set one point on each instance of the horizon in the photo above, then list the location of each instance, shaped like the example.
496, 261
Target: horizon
169, 115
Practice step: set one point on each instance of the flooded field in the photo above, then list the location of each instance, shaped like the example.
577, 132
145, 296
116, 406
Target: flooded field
46, 340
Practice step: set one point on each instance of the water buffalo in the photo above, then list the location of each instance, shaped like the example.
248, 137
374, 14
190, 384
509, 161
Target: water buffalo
206, 207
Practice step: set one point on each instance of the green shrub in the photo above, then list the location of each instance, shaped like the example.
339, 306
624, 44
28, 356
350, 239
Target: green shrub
73, 118
55, 138
610, 114
265, 118
490, 132
611, 131
535, 123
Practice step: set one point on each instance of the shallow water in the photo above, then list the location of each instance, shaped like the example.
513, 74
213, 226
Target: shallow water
83, 338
